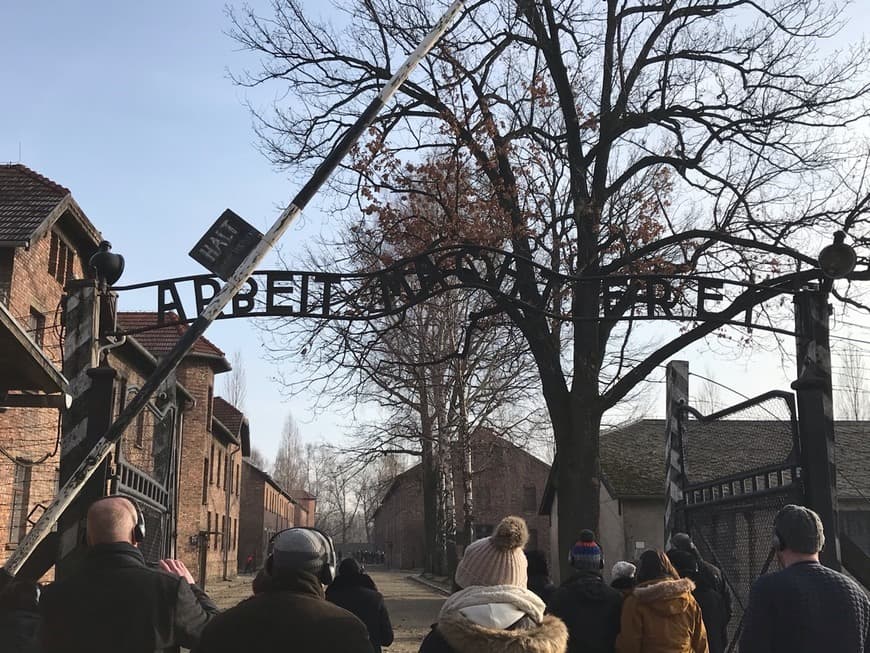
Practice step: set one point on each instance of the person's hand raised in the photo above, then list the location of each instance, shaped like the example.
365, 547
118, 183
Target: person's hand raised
178, 568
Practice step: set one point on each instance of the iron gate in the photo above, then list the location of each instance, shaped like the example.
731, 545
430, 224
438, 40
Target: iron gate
147, 475
740, 466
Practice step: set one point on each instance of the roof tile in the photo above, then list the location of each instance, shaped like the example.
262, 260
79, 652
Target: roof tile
159, 341
26, 200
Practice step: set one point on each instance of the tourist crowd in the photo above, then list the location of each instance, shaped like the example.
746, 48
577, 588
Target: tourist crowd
503, 600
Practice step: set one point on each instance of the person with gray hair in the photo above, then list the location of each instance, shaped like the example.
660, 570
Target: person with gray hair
289, 610
805, 607
114, 601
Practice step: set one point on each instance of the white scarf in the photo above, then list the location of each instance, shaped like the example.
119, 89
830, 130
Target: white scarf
505, 603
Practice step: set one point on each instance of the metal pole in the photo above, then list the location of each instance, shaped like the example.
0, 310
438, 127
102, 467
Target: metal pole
816, 415
167, 364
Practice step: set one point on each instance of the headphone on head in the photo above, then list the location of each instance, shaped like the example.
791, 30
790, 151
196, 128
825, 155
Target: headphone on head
329, 561
139, 528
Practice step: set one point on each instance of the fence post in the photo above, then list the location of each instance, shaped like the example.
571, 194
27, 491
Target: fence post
677, 396
816, 415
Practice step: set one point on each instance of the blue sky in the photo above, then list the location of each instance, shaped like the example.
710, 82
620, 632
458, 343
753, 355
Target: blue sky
130, 106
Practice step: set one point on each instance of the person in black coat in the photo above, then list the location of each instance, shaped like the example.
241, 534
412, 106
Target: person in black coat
289, 611
539, 575
19, 617
589, 607
114, 601
713, 608
355, 591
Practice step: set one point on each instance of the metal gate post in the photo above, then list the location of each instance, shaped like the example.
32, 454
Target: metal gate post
677, 396
816, 415
90, 413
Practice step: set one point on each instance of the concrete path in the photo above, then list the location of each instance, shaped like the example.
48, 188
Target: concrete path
413, 609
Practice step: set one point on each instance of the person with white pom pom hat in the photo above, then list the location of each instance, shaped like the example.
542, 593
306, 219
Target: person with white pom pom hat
494, 611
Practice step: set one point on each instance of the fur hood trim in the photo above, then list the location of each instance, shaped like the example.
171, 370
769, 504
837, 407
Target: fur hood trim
519, 597
464, 636
666, 597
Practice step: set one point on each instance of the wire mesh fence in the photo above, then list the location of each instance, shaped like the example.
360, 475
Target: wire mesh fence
741, 467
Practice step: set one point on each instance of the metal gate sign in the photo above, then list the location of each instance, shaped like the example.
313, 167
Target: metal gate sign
226, 244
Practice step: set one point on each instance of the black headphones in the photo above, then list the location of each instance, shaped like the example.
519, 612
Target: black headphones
139, 528
328, 561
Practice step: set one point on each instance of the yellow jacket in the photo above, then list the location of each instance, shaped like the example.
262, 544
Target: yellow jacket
662, 616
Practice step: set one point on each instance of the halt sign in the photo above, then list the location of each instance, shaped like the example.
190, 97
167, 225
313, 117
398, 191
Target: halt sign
226, 244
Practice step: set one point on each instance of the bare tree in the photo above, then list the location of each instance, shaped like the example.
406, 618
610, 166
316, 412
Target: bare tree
289, 468
236, 383
617, 137
257, 459
851, 383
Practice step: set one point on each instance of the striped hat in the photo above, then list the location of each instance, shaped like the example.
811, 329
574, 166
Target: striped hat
586, 554
497, 559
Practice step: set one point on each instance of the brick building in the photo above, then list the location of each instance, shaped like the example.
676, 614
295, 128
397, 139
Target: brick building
398, 521
266, 509
209, 462
45, 241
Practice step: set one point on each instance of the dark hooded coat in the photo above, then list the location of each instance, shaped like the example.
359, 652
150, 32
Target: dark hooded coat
590, 609
662, 616
356, 593
287, 614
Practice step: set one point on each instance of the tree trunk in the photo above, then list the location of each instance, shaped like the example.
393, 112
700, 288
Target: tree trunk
430, 485
577, 475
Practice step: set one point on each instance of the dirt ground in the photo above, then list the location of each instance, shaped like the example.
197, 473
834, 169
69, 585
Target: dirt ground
413, 608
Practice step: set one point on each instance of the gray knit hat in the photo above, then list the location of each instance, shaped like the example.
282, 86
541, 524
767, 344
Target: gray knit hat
799, 529
497, 559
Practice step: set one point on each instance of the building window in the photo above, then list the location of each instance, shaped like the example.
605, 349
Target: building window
36, 326
235, 534
20, 502
484, 497
216, 538
220, 453
208, 529
140, 430
228, 482
530, 498
205, 481
223, 533
238, 476
211, 468
60, 259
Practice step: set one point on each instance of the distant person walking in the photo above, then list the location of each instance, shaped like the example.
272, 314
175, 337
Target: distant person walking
589, 607
711, 586
355, 591
806, 607
539, 575
714, 610
661, 615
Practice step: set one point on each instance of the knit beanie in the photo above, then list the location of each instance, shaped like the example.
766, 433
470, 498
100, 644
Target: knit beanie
586, 554
497, 559
799, 529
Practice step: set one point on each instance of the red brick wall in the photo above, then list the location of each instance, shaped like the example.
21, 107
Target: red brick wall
398, 525
265, 511
194, 515
31, 433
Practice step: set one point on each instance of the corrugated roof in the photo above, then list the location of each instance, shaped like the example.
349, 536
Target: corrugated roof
26, 200
160, 340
